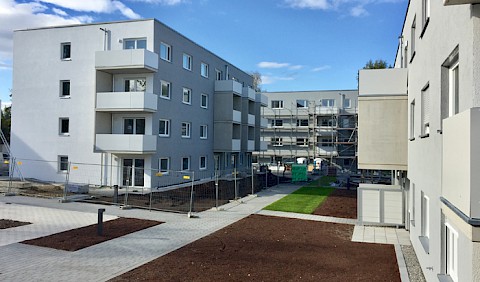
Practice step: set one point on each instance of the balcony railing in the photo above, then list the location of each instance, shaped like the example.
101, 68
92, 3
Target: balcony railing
126, 101
229, 86
251, 145
236, 144
251, 119
123, 61
263, 122
126, 143
237, 116
249, 93
262, 99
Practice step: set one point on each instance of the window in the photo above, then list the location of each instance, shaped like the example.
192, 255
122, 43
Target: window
302, 142
451, 252
302, 122
328, 102
277, 104
165, 52
412, 215
187, 95
405, 57
425, 111
425, 222
62, 163
64, 126
185, 164
134, 126
204, 101
187, 62
412, 40
65, 88
164, 128
347, 103
204, 70
166, 90
302, 103
135, 85
203, 131
412, 120
326, 142
328, 122
140, 43
277, 122
186, 129
218, 75
277, 142
425, 14
164, 165
66, 51
133, 172
453, 98
203, 162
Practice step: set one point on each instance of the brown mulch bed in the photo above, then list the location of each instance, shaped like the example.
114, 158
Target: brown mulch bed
76, 239
263, 248
340, 203
8, 223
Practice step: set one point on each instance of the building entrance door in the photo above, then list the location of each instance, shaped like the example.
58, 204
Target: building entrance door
133, 172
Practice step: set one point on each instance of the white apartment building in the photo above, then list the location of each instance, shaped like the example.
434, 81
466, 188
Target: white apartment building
430, 109
310, 125
134, 94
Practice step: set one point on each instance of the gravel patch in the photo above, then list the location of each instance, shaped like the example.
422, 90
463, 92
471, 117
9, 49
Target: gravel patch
413, 266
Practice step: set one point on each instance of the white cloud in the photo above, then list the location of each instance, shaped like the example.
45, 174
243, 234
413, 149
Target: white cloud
162, 2
59, 12
355, 8
309, 4
5, 66
96, 6
272, 65
271, 79
358, 11
321, 68
295, 67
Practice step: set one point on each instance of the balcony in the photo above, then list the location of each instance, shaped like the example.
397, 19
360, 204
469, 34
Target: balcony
262, 99
236, 144
263, 145
326, 110
263, 122
460, 2
126, 102
229, 86
126, 143
461, 163
251, 120
126, 61
251, 145
249, 93
237, 116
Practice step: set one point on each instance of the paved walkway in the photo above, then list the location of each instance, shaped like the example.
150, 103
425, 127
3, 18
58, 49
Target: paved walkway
19, 262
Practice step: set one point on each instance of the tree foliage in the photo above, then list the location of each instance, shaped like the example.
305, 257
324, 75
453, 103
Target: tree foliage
257, 80
6, 122
377, 64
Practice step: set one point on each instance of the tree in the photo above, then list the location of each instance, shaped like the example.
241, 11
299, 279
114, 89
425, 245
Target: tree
378, 64
257, 80
6, 122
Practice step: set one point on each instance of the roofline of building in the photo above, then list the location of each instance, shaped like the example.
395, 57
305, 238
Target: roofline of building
137, 20
401, 33
310, 91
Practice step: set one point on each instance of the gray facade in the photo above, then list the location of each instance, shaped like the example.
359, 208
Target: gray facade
139, 93
310, 125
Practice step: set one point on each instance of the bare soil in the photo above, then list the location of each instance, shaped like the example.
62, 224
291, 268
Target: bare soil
263, 248
340, 203
76, 239
8, 223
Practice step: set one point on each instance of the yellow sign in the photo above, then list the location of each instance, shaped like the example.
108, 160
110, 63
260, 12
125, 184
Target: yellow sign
19, 163
186, 177
158, 174
75, 167
6, 161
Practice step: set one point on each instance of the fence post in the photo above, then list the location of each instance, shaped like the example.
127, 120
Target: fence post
216, 189
129, 173
66, 182
191, 195
11, 170
266, 177
253, 189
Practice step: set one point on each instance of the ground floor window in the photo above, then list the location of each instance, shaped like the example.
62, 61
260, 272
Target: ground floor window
451, 252
133, 172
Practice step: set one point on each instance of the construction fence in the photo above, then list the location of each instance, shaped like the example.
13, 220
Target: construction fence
134, 186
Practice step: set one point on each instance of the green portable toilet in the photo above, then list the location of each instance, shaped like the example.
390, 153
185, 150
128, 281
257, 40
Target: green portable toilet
299, 172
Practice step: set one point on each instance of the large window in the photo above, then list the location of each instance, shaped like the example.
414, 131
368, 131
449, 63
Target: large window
164, 165
277, 122
133, 172
218, 74
277, 104
65, 88
65, 49
302, 104
64, 126
166, 90
136, 85
454, 80
187, 62
138, 43
412, 120
328, 102
203, 163
302, 122
185, 163
326, 142
302, 142
204, 70
451, 252
165, 52
425, 224
134, 126
186, 127
164, 128
204, 101
277, 142
203, 131
347, 103
62, 163
425, 14
412, 39
187, 96
425, 111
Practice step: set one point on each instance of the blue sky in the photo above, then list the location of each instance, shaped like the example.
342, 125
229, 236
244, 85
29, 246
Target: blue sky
295, 44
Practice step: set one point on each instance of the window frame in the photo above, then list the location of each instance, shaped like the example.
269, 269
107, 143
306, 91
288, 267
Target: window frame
186, 129
204, 131
62, 51
451, 252
349, 103
61, 131
136, 40
189, 91
218, 74
276, 141
413, 34
425, 111
304, 143
62, 88
182, 163
328, 103
166, 127
202, 96
300, 124
454, 88
134, 124
305, 104
204, 70
279, 102
135, 84
187, 65
425, 15
200, 163
61, 169
168, 53
160, 169
412, 120
275, 122
169, 84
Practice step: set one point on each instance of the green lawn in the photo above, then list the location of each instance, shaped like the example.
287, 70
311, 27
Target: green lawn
306, 199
